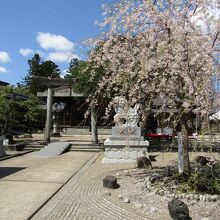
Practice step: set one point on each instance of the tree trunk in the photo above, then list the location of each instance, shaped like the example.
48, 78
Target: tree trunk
94, 128
185, 143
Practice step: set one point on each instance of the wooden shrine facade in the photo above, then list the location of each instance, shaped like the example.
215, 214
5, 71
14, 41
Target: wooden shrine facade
73, 113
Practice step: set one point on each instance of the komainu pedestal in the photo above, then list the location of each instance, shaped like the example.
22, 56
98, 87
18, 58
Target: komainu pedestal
2, 149
126, 143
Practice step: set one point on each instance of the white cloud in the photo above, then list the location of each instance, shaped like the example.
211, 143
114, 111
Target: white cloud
3, 70
26, 52
59, 56
4, 57
64, 73
207, 18
55, 42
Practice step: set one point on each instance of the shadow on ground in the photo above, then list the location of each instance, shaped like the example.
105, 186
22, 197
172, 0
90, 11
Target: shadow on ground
6, 171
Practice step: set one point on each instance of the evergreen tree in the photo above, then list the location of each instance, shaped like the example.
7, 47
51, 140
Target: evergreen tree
38, 67
18, 109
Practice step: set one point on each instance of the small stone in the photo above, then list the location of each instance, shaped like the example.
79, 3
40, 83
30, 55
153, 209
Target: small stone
214, 198
165, 192
126, 200
120, 196
188, 196
156, 191
172, 195
180, 196
161, 192
201, 197
176, 196
107, 193
110, 182
191, 196
193, 203
196, 197
211, 199
208, 198
147, 178
162, 199
143, 188
117, 174
147, 183
152, 209
138, 205
168, 195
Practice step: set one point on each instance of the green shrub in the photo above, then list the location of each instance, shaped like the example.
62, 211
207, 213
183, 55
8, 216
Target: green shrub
204, 183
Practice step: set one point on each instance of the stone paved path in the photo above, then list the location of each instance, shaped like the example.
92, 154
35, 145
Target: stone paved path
83, 198
27, 183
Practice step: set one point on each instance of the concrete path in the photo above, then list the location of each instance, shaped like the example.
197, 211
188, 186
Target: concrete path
26, 183
84, 198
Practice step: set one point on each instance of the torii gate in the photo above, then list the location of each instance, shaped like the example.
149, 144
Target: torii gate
52, 83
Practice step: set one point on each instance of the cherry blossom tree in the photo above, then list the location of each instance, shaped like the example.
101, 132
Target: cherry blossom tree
154, 49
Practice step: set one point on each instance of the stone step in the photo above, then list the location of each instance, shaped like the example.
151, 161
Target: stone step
85, 131
86, 149
78, 147
85, 146
33, 148
88, 143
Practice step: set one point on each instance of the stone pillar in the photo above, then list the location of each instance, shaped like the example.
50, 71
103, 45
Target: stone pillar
49, 114
180, 153
94, 129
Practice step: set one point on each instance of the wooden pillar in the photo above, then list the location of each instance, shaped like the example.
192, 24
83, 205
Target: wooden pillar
49, 115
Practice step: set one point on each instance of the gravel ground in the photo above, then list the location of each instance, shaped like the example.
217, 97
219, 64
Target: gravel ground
132, 186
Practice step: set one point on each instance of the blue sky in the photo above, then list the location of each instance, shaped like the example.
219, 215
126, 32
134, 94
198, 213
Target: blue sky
52, 28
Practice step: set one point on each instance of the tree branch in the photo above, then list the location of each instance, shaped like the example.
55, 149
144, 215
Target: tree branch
216, 37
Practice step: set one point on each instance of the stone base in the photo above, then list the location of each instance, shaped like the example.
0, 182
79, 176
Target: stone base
2, 151
125, 138
124, 151
126, 131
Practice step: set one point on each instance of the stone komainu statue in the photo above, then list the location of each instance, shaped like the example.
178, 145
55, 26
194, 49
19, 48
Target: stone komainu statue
126, 116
